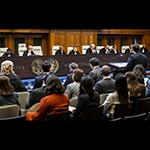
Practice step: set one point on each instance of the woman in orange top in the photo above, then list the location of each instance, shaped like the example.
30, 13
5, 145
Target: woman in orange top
54, 103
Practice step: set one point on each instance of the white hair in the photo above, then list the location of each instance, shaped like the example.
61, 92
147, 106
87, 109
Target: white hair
7, 67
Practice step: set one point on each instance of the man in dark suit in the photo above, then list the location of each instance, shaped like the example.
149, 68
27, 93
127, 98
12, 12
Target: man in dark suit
136, 58
69, 78
91, 49
96, 72
41, 79
74, 51
29, 51
8, 53
60, 51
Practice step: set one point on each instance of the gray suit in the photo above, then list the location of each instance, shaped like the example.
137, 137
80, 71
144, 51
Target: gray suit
72, 89
106, 85
96, 74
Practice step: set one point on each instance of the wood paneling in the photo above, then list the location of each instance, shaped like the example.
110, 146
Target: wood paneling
74, 37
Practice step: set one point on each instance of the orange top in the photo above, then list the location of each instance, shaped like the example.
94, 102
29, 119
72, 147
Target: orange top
51, 104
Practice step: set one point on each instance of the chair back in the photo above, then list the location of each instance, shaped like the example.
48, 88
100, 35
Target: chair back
142, 105
23, 98
8, 111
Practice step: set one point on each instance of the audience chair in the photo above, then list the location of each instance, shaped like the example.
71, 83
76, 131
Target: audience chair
8, 111
142, 105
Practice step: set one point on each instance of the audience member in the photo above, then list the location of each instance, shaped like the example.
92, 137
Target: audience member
7, 96
88, 99
117, 104
107, 83
54, 103
96, 72
135, 88
139, 72
72, 89
47, 72
7, 68
69, 78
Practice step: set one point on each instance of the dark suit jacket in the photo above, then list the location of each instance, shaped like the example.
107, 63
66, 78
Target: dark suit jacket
58, 52
39, 79
137, 58
68, 80
16, 83
105, 85
25, 53
72, 52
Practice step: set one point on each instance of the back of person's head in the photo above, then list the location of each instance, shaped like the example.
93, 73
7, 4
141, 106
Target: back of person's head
139, 69
94, 61
131, 77
9, 50
86, 85
46, 66
54, 86
73, 66
5, 87
136, 48
78, 74
7, 67
106, 70
121, 88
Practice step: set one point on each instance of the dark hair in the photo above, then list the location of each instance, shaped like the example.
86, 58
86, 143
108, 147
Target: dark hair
73, 66
122, 88
54, 86
94, 61
78, 73
5, 87
136, 47
86, 86
46, 66
106, 70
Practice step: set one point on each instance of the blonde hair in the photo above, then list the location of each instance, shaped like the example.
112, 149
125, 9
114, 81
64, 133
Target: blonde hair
7, 67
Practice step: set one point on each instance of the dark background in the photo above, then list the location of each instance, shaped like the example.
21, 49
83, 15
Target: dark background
74, 14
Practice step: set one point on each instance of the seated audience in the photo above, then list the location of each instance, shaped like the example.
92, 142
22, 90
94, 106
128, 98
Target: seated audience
107, 83
69, 78
47, 72
54, 103
29, 51
136, 89
7, 96
72, 89
117, 104
96, 72
7, 68
139, 72
88, 102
